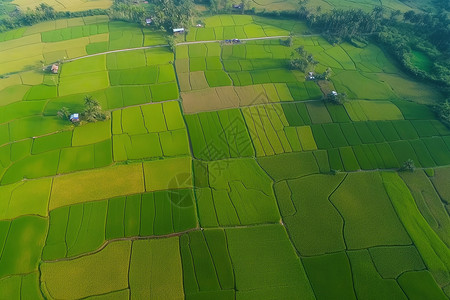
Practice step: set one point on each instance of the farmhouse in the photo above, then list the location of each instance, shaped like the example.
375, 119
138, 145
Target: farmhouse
54, 69
178, 30
310, 76
74, 118
148, 21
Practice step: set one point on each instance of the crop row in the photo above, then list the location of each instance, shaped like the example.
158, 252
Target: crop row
153, 130
233, 192
213, 263
73, 32
234, 97
219, 135
84, 227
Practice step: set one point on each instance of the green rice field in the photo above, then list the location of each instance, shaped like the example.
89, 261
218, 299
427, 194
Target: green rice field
218, 172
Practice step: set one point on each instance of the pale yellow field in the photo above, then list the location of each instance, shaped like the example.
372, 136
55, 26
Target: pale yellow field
66, 5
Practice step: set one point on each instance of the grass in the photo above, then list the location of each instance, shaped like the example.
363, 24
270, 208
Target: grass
150, 258
241, 194
66, 5
420, 284
287, 278
202, 254
88, 281
313, 214
368, 282
168, 174
289, 165
434, 252
20, 253
396, 260
372, 233
330, 276
97, 184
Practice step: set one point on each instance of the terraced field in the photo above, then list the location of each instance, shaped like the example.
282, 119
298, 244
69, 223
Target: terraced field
219, 172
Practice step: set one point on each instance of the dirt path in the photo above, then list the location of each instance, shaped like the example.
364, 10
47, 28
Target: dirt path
166, 45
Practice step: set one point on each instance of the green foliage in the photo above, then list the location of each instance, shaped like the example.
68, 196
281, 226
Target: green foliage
92, 110
337, 98
408, 165
63, 113
303, 61
443, 112
173, 14
121, 10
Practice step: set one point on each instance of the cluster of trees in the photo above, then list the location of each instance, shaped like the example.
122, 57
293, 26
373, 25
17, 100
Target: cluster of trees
399, 33
127, 10
92, 111
336, 98
43, 12
169, 14
426, 32
443, 112
302, 60
338, 25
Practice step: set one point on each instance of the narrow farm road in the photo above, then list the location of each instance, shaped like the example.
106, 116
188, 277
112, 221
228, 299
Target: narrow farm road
115, 51
166, 45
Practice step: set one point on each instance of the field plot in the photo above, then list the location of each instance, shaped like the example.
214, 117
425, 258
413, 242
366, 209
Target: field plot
287, 278
210, 99
22, 240
372, 233
207, 268
433, 250
52, 41
83, 228
150, 131
77, 5
258, 72
219, 135
240, 26
249, 187
83, 148
234, 192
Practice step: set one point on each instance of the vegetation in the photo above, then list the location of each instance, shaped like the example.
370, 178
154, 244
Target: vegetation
408, 166
336, 98
302, 60
63, 113
92, 110
43, 12
195, 156
173, 14
443, 112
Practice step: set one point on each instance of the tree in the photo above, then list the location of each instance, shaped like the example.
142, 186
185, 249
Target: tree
443, 112
407, 165
63, 113
245, 5
170, 14
336, 98
302, 60
92, 110
171, 42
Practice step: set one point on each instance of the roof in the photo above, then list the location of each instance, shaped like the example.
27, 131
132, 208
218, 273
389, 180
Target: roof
74, 117
178, 29
334, 93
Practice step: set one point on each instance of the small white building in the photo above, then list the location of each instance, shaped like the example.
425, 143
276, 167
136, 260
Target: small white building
178, 30
74, 118
334, 93
148, 21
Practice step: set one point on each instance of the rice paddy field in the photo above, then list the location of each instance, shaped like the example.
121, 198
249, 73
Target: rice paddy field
219, 172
